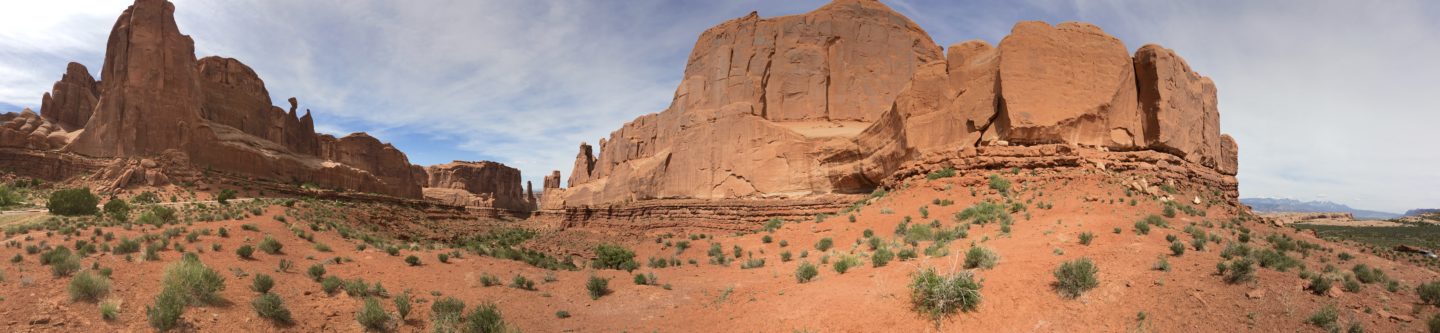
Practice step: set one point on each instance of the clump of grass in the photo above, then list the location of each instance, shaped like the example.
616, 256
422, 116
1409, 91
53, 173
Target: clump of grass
520, 282
1429, 293
269, 306
195, 282
824, 244
245, 252
262, 283
270, 246
981, 257
1142, 228
844, 264
1177, 248
611, 256
316, 272
164, 315
597, 286
938, 296
1240, 270
881, 257
445, 314
372, 316
109, 310
412, 260
1075, 277
402, 305
1086, 237
331, 284
1161, 264
88, 287
1325, 318
806, 272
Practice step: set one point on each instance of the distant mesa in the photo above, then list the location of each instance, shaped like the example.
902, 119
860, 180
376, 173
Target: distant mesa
1272, 205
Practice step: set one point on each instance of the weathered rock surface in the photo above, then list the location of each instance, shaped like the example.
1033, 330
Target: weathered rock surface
29, 130
552, 180
72, 100
1070, 83
157, 99
492, 184
723, 138
762, 101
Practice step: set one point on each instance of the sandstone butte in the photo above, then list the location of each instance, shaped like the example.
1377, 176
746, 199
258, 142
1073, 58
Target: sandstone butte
159, 114
854, 96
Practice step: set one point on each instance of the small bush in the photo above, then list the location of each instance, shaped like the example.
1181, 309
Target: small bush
225, 196
489, 280
1086, 237
939, 296
1368, 275
845, 263
1434, 323
1319, 284
331, 284
73, 202
269, 306
88, 287
118, 210
1325, 318
1177, 249
562, 314
881, 257
1161, 264
611, 256
942, 173
1429, 293
165, 314
402, 305
316, 272
443, 258
1142, 228
824, 244
806, 272
485, 318
245, 252
445, 314
109, 310
195, 282
1240, 270
1000, 184
262, 283
1075, 277
597, 286
520, 282
372, 316
981, 257
270, 245
412, 260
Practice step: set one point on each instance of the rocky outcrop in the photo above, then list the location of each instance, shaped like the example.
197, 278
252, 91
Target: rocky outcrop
235, 96
26, 129
1070, 83
762, 102
726, 136
552, 180
157, 99
72, 100
492, 185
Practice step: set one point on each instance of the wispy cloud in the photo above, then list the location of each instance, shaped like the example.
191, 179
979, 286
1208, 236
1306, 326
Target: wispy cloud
1325, 97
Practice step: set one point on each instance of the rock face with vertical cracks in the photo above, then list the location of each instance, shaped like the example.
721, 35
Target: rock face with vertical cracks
71, 101
839, 99
157, 99
763, 103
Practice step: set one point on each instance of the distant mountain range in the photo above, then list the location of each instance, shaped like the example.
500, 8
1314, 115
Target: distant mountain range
1416, 212
1296, 206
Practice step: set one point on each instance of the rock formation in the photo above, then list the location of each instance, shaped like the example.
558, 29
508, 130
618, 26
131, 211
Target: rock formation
483, 183
72, 99
157, 99
552, 180
840, 99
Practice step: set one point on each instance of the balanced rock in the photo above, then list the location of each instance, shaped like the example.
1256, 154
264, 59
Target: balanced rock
71, 101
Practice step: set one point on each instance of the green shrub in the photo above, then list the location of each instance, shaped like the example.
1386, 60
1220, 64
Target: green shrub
262, 283
372, 316
981, 257
402, 305
73, 202
412, 260
611, 256
165, 314
1240, 270
1350, 285
985, 213
118, 210
844, 264
1142, 228
270, 245
269, 306
753, 263
906, 254
1177, 249
446, 312
785, 256
824, 244
1319, 284
1275, 260
245, 252
489, 280
1161, 264
881, 257
1434, 323
806, 272
62, 262
88, 287
1169, 211
938, 296
597, 286
225, 196
443, 258
1325, 318
520, 282
109, 310
485, 317
1429, 293
331, 284
1075, 277
1367, 274
1086, 237
316, 272
1000, 184
562, 314
196, 283
942, 173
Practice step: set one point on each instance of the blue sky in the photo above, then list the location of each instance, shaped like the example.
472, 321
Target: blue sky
1329, 100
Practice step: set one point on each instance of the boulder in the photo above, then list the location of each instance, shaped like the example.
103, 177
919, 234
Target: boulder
1180, 109
72, 99
1069, 83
